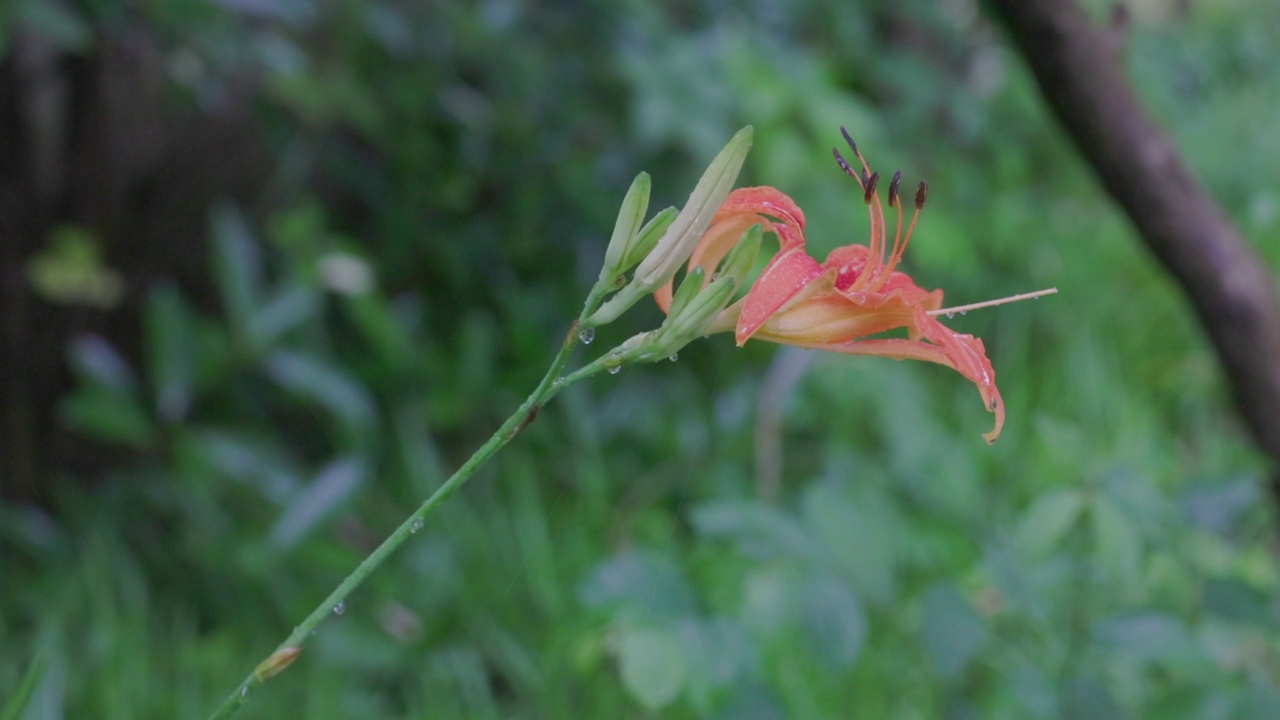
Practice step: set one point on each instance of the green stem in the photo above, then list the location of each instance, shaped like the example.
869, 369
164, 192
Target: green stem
548, 388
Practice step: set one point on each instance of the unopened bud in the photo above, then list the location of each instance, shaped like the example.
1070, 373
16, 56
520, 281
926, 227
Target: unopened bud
648, 237
681, 236
630, 217
688, 290
693, 321
743, 255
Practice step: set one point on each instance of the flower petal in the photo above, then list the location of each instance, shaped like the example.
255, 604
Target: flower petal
783, 278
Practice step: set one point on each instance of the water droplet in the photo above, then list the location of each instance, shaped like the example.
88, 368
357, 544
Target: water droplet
339, 608
586, 335
950, 315
615, 369
416, 526
244, 691
964, 312
674, 357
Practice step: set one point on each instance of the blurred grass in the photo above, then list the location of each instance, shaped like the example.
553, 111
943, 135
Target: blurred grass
1109, 557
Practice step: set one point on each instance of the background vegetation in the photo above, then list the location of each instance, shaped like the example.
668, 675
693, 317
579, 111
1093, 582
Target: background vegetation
438, 183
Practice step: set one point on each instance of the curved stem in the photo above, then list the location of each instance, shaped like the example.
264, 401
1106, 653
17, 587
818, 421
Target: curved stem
549, 387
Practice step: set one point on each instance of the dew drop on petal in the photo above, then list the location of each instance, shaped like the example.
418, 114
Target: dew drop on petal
586, 335
339, 608
615, 369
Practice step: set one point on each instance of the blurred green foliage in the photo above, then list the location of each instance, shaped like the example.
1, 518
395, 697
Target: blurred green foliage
446, 177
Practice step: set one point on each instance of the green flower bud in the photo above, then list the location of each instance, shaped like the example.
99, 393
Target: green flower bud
648, 237
677, 244
743, 255
693, 320
630, 217
689, 288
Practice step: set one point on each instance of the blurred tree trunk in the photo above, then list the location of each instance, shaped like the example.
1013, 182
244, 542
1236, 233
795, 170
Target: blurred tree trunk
88, 141
1079, 70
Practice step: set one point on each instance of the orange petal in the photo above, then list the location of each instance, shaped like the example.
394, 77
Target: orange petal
785, 276
968, 356
763, 200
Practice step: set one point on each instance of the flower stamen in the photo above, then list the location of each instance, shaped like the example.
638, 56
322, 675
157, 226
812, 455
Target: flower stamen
992, 303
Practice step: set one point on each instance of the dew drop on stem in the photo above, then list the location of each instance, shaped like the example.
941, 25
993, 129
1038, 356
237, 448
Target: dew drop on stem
340, 608
416, 526
615, 369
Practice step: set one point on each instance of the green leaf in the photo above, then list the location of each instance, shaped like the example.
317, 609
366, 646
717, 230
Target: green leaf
96, 360
834, 621
951, 631
63, 28
283, 313
327, 385
25, 691
1049, 518
867, 525
1119, 546
761, 531
718, 651
170, 339
653, 666
237, 266
1155, 637
318, 501
108, 415
641, 582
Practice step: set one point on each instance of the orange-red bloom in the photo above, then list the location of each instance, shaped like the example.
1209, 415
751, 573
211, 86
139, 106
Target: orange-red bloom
838, 304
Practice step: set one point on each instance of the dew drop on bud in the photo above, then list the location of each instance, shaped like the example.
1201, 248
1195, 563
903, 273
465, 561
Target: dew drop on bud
674, 357
416, 526
586, 335
615, 369
339, 608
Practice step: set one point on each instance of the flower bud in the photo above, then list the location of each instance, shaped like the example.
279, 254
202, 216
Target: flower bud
743, 255
682, 235
689, 288
630, 217
648, 237
677, 244
692, 322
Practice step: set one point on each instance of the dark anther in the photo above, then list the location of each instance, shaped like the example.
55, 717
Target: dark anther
922, 192
869, 187
845, 166
893, 188
852, 145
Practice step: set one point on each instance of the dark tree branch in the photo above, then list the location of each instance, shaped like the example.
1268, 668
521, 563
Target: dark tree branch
1078, 68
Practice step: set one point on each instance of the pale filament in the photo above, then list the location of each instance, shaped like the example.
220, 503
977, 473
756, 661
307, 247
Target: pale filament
992, 303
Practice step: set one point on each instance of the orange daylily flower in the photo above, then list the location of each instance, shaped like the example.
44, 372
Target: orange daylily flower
839, 304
